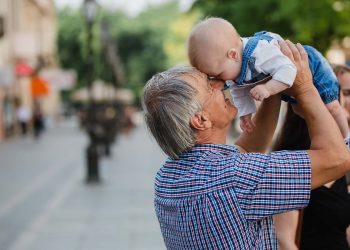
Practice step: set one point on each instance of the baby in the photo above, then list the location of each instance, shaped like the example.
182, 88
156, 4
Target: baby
255, 68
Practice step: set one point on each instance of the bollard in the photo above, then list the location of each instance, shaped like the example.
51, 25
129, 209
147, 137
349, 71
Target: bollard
92, 173
107, 149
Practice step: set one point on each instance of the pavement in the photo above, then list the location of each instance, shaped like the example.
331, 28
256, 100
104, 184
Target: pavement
45, 203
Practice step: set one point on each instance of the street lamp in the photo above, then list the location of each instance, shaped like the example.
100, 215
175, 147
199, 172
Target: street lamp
92, 173
103, 118
89, 11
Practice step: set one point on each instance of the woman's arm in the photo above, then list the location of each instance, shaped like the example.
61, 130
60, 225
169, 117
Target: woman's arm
286, 225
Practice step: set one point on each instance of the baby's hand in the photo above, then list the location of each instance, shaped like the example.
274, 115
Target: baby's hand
246, 123
260, 92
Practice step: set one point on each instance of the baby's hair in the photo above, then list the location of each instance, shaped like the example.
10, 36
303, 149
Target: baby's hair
205, 36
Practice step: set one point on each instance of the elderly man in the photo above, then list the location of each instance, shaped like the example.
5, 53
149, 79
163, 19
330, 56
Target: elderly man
209, 195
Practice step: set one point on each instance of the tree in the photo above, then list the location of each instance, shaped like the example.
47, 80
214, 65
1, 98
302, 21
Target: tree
176, 38
142, 55
69, 42
141, 42
316, 23
147, 44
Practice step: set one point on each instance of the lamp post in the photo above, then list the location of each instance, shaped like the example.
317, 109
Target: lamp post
92, 173
114, 110
89, 13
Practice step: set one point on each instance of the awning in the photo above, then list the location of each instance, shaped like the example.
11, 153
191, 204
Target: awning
39, 86
23, 69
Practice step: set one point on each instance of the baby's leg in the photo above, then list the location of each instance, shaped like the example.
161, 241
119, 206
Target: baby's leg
246, 123
286, 225
339, 116
327, 85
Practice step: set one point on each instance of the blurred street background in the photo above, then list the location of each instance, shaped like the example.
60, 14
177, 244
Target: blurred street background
46, 204
76, 161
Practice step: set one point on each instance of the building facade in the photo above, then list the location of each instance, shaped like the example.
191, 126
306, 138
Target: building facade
28, 30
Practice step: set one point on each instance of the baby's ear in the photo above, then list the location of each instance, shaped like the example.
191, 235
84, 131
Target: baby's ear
233, 54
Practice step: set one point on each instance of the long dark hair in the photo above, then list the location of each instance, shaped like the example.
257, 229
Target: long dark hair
294, 134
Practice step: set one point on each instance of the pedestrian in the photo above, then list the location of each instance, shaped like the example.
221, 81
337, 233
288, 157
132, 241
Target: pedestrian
38, 120
210, 195
325, 220
23, 118
216, 48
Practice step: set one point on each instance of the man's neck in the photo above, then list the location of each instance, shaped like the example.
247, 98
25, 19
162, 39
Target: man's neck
212, 136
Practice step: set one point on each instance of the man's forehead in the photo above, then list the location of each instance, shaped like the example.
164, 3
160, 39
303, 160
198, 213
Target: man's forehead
195, 78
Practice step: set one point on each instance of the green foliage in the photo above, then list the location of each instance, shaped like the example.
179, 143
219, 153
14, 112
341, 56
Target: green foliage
143, 43
73, 48
142, 55
140, 43
176, 36
316, 23
70, 41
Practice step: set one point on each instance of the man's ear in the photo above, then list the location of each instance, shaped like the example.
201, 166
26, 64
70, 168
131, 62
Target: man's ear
200, 121
233, 54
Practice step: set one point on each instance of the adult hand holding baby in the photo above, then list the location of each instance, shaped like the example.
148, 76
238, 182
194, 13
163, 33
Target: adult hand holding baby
303, 81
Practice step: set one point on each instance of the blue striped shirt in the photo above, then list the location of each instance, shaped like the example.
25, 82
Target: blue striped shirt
214, 197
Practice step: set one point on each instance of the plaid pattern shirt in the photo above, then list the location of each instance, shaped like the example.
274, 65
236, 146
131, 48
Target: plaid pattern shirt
214, 197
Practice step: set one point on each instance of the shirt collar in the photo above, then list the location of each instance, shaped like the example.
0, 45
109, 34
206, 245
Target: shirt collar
219, 148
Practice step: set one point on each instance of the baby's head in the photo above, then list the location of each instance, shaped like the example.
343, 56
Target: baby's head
215, 48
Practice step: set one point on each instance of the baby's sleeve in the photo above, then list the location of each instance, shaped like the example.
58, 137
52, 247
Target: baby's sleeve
270, 60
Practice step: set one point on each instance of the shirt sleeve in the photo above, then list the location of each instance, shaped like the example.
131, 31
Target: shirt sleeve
270, 60
268, 184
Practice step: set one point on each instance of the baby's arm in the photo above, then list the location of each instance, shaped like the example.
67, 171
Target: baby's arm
246, 123
270, 60
263, 91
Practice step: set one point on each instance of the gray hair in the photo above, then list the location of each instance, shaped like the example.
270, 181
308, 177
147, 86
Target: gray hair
169, 103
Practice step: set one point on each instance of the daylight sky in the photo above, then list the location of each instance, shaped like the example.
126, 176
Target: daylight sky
131, 7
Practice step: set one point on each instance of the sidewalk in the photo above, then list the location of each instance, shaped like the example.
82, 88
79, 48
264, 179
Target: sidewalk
46, 205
